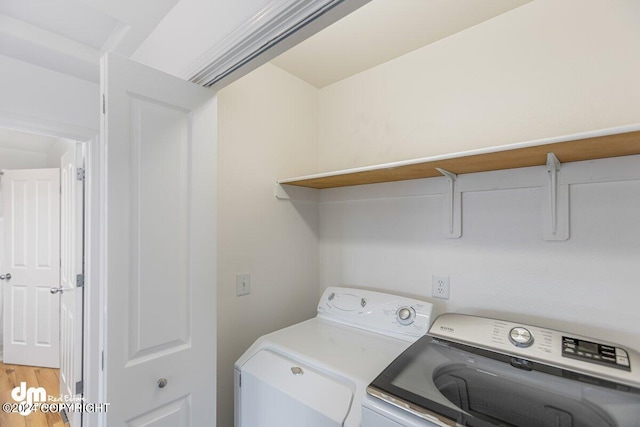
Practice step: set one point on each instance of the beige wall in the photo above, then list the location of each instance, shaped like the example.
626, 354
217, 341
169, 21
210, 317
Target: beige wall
545, 69
267, 130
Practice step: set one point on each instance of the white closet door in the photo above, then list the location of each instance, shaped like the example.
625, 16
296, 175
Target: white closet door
160, 247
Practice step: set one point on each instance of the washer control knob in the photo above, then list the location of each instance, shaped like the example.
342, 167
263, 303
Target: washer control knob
405, 315
520, 337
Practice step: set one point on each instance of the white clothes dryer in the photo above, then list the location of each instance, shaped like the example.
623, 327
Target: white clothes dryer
315, 373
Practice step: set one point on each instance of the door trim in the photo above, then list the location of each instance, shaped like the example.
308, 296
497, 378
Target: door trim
93, 334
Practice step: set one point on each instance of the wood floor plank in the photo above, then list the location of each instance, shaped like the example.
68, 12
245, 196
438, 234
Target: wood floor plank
27, 374
5, 381
10, 419
11, 376
47, 378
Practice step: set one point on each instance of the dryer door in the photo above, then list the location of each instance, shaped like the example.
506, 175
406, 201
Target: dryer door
274, 391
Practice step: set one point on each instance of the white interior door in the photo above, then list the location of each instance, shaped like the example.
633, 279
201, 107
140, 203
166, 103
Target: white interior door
159, 135
31, 203
71, 266
2, 263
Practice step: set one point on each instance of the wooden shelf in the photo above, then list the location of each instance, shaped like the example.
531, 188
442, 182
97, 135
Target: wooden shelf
586, 146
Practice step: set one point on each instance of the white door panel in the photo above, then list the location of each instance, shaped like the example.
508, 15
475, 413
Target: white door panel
160, 247
158, 230
31, 203
71, 264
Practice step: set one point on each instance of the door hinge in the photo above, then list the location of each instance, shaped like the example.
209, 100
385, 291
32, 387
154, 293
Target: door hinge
102, 368
240, 381
104, 105
79, 387
79, 280
80, 175
64, 416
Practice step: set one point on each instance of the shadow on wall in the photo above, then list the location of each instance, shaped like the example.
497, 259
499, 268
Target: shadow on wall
305, 202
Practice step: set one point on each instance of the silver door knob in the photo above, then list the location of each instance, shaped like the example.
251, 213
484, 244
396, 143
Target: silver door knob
5, 276
162, 382
55, 290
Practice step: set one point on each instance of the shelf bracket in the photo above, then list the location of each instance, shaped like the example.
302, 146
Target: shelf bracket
452, 207
553, 167
557, 198
280, 192
295, 193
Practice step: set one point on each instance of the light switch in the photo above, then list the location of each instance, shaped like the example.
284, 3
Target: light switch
243, 284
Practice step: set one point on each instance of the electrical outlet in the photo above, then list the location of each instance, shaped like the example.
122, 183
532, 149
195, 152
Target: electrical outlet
243, 284
440, 287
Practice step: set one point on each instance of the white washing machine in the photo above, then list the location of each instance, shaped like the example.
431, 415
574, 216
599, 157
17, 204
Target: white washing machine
480, 372
315, 373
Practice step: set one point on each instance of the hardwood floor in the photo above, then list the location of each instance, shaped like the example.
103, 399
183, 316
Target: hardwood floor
11, 376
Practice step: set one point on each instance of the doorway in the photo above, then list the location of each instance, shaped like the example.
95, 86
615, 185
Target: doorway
41, 264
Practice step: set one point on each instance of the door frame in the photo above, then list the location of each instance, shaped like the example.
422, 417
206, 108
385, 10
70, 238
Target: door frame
94, 229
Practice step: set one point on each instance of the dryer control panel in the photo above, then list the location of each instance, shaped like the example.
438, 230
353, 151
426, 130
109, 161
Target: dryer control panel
392, 315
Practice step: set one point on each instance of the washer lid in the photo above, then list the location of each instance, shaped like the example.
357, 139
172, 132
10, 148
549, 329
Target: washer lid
482, 375
564, 350
295, 394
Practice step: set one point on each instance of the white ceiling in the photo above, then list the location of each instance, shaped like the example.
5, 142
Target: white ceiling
17, 140
383, 30
69, 36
